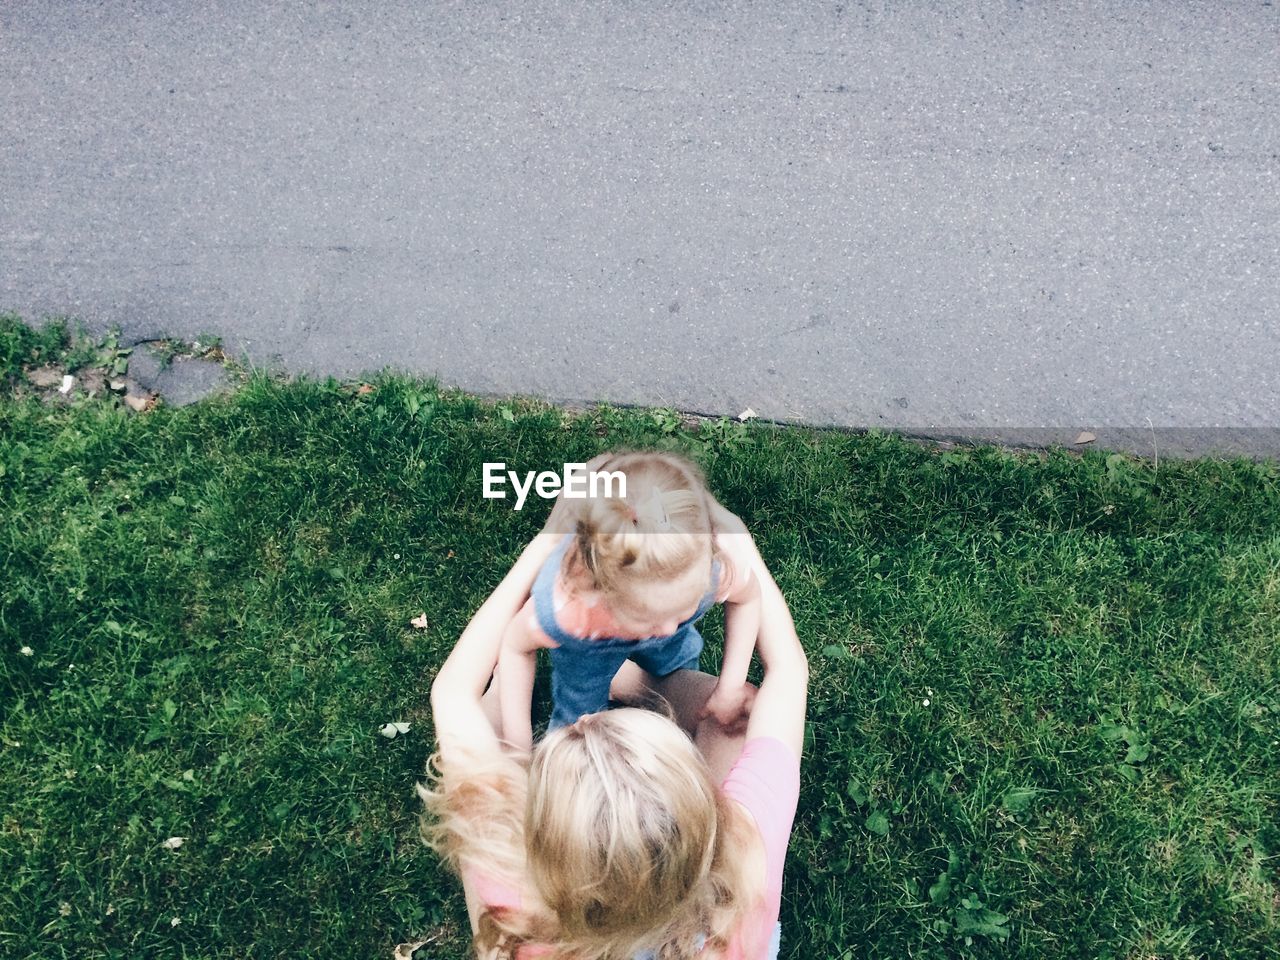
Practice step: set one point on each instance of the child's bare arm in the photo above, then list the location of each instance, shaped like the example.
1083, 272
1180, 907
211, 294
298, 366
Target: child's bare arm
741, 626
731, 699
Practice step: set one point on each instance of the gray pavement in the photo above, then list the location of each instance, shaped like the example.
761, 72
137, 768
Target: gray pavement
1023, 218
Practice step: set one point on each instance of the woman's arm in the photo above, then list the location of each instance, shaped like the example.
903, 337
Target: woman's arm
456, 708
517, 669
781, 701
779, 706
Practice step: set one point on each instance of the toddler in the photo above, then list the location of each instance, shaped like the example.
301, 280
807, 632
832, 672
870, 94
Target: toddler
629, 581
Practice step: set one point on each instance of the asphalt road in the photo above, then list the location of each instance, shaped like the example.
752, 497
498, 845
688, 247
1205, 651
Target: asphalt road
1024, 218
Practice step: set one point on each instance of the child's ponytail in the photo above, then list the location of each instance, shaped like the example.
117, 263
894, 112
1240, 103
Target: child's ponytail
659, 530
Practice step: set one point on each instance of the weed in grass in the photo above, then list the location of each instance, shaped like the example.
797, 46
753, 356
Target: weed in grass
667, 421
81, 350
164, 351
208, 345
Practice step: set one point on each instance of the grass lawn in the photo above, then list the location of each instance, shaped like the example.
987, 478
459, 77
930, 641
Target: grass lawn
1045, 701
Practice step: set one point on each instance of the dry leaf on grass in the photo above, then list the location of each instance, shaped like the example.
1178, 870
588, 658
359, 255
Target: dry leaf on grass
405, 951
419, 622
747, 414
1085, 437
173, 843
139, 403
364, 389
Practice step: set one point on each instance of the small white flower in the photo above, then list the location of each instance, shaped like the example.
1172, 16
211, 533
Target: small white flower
26, 651
173, 843
175, 921
925, 701
396, 556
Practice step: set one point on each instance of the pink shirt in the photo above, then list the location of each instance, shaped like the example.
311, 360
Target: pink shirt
766, 780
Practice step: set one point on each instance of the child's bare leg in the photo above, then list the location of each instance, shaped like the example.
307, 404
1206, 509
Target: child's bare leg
637, 687
687, 692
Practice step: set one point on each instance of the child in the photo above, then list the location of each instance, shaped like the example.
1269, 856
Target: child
629, 581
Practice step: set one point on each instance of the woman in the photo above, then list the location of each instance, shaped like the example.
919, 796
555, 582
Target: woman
619, 838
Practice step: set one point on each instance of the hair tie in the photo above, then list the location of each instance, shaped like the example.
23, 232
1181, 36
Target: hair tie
652, 506
656, 499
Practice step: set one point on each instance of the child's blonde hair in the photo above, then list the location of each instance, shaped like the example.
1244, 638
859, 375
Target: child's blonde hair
626, 842
660, 530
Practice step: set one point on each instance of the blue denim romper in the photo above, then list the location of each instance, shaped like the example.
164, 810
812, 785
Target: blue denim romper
582, 670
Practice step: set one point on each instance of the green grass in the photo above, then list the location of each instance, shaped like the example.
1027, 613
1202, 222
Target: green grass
217, 600
21, 344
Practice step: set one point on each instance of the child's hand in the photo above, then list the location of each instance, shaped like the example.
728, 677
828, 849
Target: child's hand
729, 705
